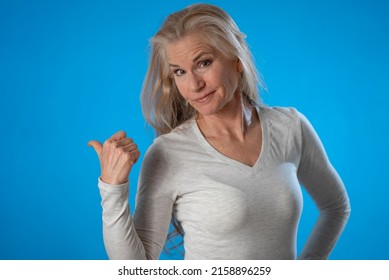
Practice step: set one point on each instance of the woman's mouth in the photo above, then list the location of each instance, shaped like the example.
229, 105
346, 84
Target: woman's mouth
204, 98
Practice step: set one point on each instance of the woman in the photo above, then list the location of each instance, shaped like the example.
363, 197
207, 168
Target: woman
225, 167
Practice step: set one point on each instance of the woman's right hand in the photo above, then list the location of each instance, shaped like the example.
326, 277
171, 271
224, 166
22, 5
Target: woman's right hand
117, 156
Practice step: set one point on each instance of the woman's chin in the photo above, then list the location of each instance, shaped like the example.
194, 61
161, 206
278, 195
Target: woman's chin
206, 110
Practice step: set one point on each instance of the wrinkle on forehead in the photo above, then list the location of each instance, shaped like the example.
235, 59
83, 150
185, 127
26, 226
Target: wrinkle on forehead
187, 49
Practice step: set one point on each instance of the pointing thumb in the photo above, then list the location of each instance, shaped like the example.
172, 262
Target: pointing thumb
97, 146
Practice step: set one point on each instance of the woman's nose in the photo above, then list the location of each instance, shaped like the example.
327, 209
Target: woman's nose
196, 82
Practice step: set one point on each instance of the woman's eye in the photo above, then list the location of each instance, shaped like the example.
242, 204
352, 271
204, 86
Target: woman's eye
205, 63
178, 72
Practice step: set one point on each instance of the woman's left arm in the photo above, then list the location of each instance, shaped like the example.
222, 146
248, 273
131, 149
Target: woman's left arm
325, 186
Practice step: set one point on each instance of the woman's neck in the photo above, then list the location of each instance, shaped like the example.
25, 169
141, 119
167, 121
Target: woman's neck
233, 120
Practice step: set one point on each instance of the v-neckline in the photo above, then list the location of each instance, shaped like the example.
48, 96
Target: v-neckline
215, 153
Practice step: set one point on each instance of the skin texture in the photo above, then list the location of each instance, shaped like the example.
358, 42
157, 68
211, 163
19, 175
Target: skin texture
208, 80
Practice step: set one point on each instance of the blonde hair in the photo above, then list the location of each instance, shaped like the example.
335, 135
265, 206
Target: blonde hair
162, 104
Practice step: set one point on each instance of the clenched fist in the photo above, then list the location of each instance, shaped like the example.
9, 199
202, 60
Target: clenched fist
117, 156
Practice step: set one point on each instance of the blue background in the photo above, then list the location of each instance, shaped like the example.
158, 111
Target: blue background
71, 71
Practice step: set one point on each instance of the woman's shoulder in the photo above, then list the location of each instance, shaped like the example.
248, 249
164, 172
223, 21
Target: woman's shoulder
181, 133
179, 137
286, 128
167, 152
285, 116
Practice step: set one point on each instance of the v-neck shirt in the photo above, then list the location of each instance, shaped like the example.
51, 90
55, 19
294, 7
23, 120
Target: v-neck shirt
214, 152
227, 209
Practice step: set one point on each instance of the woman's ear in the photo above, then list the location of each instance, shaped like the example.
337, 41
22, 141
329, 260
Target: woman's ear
239, 66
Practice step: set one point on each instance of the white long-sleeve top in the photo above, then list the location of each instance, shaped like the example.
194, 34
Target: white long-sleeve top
229, 210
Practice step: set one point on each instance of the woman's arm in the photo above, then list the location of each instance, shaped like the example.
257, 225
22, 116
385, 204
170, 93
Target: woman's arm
120, 237
143, 236
323, 183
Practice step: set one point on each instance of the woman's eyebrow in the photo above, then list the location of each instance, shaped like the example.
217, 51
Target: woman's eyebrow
197, 57
200, 55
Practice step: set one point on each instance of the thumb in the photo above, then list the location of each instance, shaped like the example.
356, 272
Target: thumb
97, 146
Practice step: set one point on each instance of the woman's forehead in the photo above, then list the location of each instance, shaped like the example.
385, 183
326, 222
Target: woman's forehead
188, 48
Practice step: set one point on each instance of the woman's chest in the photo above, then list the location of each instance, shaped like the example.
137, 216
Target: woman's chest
220, 198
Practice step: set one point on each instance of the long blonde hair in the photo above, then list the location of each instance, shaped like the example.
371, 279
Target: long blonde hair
163, 106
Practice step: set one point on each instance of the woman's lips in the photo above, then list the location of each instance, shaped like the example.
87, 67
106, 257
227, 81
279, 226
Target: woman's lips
204, 98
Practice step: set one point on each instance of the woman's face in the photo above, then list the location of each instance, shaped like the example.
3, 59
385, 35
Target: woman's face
205, 77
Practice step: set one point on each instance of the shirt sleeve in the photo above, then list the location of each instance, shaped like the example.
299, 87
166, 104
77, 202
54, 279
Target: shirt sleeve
143, 235
323, 183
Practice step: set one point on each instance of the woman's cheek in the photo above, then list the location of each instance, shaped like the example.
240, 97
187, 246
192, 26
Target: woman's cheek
182, 92
180, 87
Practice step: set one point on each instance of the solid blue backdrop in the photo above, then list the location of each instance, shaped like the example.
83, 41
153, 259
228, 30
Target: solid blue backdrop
71, 71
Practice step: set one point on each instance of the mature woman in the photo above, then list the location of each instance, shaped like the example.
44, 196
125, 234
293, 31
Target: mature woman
226, 168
